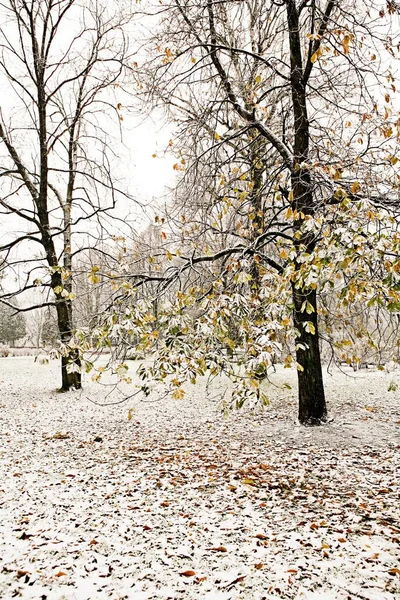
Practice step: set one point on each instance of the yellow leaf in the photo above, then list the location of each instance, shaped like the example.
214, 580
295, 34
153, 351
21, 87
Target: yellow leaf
178, 394
355, 188
283, 253
291, 196
315, 57
217, 136
249, 481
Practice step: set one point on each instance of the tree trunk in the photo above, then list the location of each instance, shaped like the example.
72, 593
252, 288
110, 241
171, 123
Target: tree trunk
71, 379
312, 406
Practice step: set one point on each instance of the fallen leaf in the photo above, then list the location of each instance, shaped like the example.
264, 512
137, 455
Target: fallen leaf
21, 573
60, 574
218, 549
261, 536
108, 574
249, 481
394, 571
188, 573
25, 536
235, 581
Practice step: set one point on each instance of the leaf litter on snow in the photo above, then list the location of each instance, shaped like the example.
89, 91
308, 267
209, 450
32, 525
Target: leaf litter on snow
180, 502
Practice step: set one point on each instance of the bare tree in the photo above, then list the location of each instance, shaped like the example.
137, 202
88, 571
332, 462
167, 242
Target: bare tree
61, 64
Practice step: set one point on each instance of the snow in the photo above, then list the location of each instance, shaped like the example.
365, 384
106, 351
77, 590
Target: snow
255, 505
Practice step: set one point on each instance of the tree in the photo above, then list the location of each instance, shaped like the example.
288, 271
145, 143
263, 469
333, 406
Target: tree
306, 92
12, 326
61, 62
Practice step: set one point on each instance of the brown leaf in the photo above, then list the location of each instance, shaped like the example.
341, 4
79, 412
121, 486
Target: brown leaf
60, 574
218, 549
261, 536
259, 566
394, 571
291, 571
93, 542
21, 573
188, 573
235, 581
342, 540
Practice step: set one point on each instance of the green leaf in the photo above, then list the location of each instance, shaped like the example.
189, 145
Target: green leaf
393, 306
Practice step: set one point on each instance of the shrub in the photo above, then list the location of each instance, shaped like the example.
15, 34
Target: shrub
4, 351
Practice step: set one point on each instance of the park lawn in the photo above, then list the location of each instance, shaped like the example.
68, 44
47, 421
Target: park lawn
165, 499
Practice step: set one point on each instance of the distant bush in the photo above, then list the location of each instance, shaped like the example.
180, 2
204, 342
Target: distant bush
4, 351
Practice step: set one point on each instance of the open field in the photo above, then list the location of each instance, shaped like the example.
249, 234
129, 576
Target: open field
179, 502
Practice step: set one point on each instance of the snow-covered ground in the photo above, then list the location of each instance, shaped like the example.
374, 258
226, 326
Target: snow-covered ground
181, 502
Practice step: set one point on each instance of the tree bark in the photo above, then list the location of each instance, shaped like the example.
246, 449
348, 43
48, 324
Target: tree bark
312, 406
